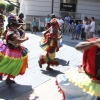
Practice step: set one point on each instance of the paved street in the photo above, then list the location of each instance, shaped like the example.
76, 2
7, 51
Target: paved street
36, 79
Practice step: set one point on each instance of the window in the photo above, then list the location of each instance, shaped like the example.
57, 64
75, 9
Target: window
69, 1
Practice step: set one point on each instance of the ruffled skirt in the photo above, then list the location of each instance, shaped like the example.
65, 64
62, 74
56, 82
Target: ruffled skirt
13, 62
78, 86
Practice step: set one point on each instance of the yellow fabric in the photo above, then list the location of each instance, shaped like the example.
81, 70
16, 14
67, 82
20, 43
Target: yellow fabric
83, 81
50, 55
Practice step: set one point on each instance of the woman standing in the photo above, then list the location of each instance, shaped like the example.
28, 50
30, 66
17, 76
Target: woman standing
49, 43
92, 28
21, 23
83, 27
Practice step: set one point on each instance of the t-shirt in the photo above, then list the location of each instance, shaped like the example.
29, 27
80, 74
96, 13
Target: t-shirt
60, 21
73, 27
83, 25
86, 28
67, 20
79, 27
47, 20
92, 25
34, 23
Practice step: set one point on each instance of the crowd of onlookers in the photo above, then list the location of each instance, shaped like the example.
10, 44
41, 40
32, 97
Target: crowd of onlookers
81, 29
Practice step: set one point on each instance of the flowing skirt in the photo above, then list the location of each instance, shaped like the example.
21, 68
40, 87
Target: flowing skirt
50, 46
13, 62
78, 86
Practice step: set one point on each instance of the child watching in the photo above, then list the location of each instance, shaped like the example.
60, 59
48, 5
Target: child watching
73, 30
78, 30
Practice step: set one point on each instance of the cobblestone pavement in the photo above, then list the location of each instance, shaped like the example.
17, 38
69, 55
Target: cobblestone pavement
36, 83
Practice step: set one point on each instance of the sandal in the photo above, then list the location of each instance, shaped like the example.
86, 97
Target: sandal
40, 65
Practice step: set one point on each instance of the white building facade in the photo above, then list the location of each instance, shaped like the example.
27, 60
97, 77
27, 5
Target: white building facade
77, 8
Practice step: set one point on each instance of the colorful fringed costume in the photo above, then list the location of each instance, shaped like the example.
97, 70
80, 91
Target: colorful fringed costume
13, 57
50, 45
82, 82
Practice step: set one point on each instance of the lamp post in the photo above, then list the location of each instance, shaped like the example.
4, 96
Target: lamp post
52, 6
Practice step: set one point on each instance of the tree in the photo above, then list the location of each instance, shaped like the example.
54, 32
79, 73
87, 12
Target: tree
9, 7
2, 5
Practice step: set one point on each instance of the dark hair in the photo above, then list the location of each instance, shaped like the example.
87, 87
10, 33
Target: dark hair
21, 15
85, 18
93, 18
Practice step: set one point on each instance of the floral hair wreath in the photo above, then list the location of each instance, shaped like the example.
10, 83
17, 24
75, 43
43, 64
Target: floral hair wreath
53, 21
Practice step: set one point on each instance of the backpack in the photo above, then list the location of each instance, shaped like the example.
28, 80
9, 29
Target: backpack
91, 61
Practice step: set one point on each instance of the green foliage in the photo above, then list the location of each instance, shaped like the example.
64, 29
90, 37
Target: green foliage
2, 5
9, 7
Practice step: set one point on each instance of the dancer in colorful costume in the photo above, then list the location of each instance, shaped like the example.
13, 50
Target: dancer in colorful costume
21, 25
13, 56
83, 82
49, 43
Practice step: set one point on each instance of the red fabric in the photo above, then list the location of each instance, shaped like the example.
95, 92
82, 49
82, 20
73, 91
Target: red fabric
89, 57
41, 60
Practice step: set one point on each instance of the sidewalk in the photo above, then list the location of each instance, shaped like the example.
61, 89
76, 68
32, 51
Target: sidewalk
36, 83
48, 90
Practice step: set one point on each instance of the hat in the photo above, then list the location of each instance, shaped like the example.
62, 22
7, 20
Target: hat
53, 16
53, 21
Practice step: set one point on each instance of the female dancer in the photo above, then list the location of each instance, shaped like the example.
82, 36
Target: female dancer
83, 82
49, 43
13, 56
21, 23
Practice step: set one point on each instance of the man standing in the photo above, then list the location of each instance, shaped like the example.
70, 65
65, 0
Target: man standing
61, 23
34, 24
47, 19
66, 24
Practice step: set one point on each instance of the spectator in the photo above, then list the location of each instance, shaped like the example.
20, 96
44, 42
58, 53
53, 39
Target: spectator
83, 26
78, 31
66, 24
47, 19
60, 22
34, 24
92, 28
86, 29
73, 29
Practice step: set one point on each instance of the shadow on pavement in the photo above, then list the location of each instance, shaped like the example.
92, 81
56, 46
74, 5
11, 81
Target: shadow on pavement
12, 91
63, 62
53, 73
69, 43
